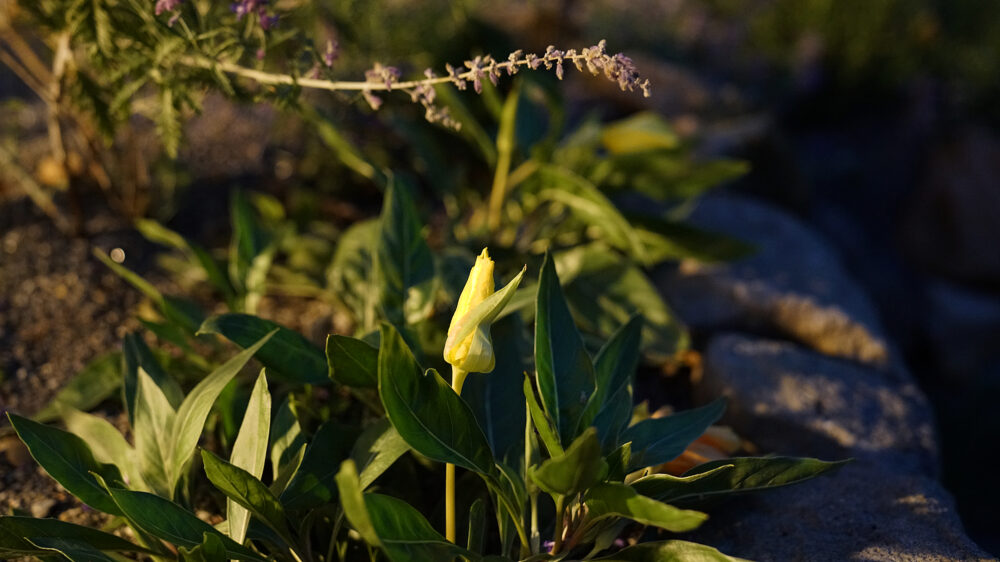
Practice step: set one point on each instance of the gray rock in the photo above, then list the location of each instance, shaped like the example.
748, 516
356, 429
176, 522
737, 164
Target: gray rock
863, 511
790, 400
794, 285
886, 505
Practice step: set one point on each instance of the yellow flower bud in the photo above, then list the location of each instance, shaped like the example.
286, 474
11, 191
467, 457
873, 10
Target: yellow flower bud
474, 353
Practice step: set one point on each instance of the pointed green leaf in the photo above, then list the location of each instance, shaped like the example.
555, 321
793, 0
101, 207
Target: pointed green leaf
249, 452
404, 265
492, 396
566, 377
164, 519
618, 500
287, 354
477, 526
669, 551
98, 380
137, 354
211, 549
68, 461
351, 361
246, 490
71, 550
659, 440
726, 477
425, 410
154, 434
287, 442
640, 132
190, 420
313, 484
352, 500
406, 535
614, 368
19, 534
576, 470
106, 443
541, 421
376, 450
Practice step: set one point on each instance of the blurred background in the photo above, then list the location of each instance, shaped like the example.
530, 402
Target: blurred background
873, 121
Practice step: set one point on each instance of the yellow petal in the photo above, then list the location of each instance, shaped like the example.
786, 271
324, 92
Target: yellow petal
475, 350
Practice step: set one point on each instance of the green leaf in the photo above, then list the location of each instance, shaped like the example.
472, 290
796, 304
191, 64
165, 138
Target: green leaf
618, 463
313, 484
477, 526
288, 445
211, 549
543, 424
405, 534
198, 256
351, 361
425, 410
737, 475
588, 203
20, 536
350, 275
576, 470
605, 290
566, 377
153, 434
98, 380
246, 490
376, 450
494, 397
614, 368
668, 551
71, 550
106, 443
618, 500
69, 461
250, 451
659, 440
248, 240
164, 519
287, 354
404, 265
671, 240
353, 502
640, 132
137, 354
194, 410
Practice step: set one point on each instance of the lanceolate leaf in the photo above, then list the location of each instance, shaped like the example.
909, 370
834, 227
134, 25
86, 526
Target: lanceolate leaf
70, 549
494, 397
668, 551
425, 410
619, 500
579, 468
194, 410
352, 500
659, 440
406, 535
69, 461
546, 430
313, 484
166, 520
614, 368
19, 534
737, 475
246, 490
287, 445
378, 447
106, 443
404, 265
137, 354
351, 361
287, 354
250, 451
211, 549
565, 373
153, 431
98, 380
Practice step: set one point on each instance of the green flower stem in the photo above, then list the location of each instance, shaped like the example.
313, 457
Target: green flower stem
457, 380
557, 539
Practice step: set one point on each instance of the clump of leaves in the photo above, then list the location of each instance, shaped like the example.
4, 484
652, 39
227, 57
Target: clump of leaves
559, 466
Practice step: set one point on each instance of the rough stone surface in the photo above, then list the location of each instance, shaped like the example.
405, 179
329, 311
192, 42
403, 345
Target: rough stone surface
790, 400
794, 285
886, 505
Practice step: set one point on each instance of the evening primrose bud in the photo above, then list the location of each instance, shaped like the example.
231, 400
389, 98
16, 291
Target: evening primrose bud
469, 347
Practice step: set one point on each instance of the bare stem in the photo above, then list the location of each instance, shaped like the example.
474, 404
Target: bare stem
457, 381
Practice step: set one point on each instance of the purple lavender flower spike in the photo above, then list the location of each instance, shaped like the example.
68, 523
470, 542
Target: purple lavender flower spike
332, 53
166, 6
